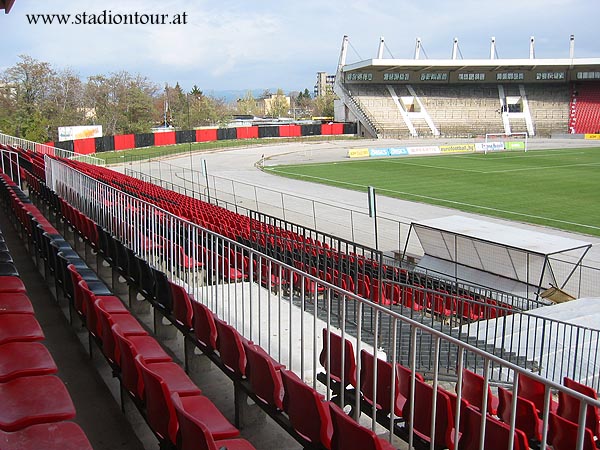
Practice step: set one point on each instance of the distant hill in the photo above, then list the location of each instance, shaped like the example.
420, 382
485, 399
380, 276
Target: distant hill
233, 94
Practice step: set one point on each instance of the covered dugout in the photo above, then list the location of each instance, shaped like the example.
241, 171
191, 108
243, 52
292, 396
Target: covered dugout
501, 257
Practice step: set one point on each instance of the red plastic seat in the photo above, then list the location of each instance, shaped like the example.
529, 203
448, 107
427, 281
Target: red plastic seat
111, 304
231, 348
497, 433
527, 419
198, 430
306, 410
349, 435
198, 408
205, 329
534, 391
15, 303
29, 400
568, 406
264, 375
12, 284
129, 347
472, 392
384, 384
444, 418
562, 434
182, 305
19, 327
19, 359
161, 380
404, 384
128, 324
335, 359
46, 436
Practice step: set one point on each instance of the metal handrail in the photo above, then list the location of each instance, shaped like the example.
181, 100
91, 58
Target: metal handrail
48, 150
158, 235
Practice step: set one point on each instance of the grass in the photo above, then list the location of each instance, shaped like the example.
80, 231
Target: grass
141, 154
557, 188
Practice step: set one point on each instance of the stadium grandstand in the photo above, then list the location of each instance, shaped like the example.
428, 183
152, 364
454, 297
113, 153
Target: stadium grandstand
197, 324
294, 319
457, 97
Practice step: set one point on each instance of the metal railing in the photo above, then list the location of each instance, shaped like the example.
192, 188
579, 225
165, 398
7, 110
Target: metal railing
281, 308
48, 150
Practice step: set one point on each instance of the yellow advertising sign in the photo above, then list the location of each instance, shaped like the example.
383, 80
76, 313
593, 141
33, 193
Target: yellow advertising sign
592, 136
358, 153
457, 148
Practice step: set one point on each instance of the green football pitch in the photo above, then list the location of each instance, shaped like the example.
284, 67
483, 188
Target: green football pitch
557, 188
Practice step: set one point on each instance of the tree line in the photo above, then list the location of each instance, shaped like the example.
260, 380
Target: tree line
36, 99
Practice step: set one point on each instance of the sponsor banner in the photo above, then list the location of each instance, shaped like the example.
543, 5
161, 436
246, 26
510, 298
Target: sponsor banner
374, 152
79, 132
358, 153
457, 148
514, 145
489, 146
592, 136
401, 151
424, 150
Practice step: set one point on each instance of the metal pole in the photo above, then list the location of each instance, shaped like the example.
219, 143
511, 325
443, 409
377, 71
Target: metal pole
205, 173
373, 213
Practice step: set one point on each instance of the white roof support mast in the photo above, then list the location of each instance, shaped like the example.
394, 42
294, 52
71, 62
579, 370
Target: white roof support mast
493, 48
418, 49
380, 48
455, 49
532, 47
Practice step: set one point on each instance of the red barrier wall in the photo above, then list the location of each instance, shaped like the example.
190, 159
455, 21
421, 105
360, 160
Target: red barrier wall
85, 146
247, 132
165, 138
326, 128
337, 128
206, 135
124, 141
290, 131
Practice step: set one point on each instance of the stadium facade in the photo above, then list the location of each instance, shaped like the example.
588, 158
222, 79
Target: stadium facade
455, 97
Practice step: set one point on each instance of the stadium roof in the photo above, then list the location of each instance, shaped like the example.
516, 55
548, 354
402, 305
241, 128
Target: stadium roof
461, 64
6, 5
477, 247
534, 242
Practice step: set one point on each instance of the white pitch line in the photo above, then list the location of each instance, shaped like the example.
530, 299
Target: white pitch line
435, 167
452, 202
543, 168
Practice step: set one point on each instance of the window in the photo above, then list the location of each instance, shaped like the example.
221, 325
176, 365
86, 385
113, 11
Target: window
434, 76
471, 76
550, 76
395, 76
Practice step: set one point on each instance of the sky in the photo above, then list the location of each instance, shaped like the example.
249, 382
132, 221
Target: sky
256, 44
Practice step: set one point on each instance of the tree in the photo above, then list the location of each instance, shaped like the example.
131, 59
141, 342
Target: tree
28, 84
278, 105
122, 103
304, 104
247, 105
323, 105
208, 111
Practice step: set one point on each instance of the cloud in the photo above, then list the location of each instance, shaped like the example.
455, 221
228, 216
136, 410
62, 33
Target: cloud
239, 44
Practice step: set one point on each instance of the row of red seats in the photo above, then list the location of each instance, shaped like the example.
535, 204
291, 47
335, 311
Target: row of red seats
563, 417
316, 421
146, 371
233, 226
35, 404
132, 352
585, 108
